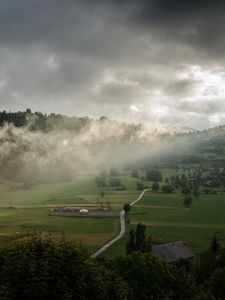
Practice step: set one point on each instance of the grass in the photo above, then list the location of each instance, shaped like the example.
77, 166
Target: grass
167, 173
165, 217
167, 220
28, 210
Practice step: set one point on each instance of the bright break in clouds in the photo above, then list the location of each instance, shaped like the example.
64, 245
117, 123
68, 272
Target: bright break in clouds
156, 61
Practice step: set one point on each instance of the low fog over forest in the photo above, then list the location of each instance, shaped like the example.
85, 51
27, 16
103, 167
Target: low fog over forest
40, 148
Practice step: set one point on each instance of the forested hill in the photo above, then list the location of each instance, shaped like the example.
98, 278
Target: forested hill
47, 122
165, 141
56, 146
40, 121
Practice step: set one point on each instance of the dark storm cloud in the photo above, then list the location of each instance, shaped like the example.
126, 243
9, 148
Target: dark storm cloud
198, 23
83, 26
126, 58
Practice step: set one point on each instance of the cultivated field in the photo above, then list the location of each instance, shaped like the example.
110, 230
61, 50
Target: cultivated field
27, 210
167, 220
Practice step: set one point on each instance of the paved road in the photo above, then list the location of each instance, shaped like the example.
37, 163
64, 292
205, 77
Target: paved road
122, 227
139, 197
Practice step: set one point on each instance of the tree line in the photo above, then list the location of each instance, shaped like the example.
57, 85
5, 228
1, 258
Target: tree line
43, 122
40, 268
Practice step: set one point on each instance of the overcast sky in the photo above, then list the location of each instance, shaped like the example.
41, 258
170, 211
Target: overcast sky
156, 61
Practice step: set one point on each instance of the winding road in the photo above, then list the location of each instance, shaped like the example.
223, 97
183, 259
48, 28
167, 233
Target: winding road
122, 227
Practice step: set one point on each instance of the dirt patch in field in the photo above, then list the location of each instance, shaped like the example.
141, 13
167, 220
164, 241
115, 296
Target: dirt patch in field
50, 205
72, 205
173, 224
81, 238
90, 238
91, 213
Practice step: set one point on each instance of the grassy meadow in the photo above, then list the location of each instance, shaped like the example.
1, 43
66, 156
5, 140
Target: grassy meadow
166, 219
27, 210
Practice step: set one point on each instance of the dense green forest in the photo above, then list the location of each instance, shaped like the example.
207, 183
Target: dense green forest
38, 268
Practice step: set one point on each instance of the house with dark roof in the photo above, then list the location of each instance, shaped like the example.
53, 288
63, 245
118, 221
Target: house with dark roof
173, 252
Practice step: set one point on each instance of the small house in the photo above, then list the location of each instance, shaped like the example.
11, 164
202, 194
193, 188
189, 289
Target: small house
173, 252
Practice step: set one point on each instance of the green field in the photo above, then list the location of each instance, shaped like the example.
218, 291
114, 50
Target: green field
27, 210
167, 220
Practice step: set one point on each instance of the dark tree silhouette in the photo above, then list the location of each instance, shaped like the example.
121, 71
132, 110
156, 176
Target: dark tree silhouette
126, 208
138, 240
